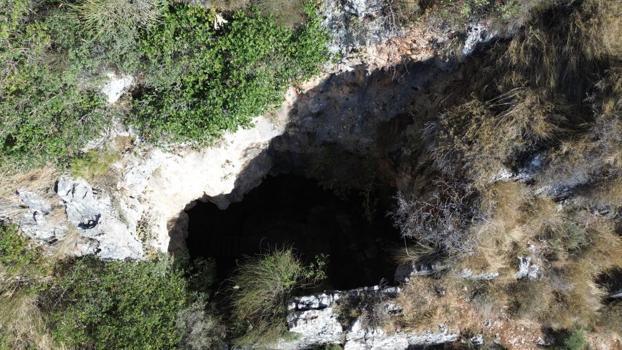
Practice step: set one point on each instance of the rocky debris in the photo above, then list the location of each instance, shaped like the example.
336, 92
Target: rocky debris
484, 276
116, 86
527, 269
477, 33
523, 174
406, 271
76, 206
357, 23
82, 209
95, 217
35, 221
316, 321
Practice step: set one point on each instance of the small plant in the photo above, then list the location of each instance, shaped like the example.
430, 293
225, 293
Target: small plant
575, 340
17, 255
262, 288
93, 164
112, 27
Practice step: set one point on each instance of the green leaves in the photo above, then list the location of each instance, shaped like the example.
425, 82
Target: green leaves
118, 305
204, 81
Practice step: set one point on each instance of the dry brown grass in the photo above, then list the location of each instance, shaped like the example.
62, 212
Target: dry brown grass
563, 46
428, 303
23, 323
481, 139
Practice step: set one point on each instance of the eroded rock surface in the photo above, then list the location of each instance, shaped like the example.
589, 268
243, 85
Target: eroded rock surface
322, 319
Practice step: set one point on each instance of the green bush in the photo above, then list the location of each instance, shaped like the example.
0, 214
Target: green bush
117, 305
203, 81
574, 340
262, 288
17, 255
47, 112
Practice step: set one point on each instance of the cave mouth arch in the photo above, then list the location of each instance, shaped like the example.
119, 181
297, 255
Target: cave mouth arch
293, 211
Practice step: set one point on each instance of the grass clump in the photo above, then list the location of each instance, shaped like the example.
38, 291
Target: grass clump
262, 288
205, 81
93, 164
117, 305
111, 28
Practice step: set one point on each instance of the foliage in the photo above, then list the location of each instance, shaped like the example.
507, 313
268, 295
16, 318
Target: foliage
112, 27
117, 305
17, 255
205, 81
12, 13
46, 112
460, 12
22, 275
574, 340
201, 328
263, 285
93, 164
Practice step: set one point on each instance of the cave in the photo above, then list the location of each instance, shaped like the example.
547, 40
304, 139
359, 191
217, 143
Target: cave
293, 211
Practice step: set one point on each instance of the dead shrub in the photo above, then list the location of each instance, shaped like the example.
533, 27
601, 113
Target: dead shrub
480, 139
440, 219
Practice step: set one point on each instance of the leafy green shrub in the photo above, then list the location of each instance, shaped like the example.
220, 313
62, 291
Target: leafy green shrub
203, 81
17, 256
46, 111
12, 12
262, 287
117, 305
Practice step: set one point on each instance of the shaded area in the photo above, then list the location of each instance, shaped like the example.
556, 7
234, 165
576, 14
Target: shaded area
288, 210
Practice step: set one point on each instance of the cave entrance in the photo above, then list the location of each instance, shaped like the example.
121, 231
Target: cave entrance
292, 211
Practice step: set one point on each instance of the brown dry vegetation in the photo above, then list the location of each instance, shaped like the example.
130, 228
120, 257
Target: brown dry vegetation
554, 90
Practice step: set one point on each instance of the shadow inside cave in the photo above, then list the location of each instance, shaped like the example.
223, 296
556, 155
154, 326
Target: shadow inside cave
327, 184
292, 211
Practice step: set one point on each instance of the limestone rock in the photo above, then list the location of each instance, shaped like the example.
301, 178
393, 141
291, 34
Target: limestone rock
356, 23
116, 86
315, 319
526, 269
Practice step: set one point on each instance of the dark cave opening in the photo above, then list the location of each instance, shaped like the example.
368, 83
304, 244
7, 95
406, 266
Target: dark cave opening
292, 211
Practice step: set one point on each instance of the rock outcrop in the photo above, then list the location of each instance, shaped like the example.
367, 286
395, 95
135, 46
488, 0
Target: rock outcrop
324, 319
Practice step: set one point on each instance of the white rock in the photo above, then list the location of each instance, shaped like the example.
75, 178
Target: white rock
116, 86
526, 269
476, 33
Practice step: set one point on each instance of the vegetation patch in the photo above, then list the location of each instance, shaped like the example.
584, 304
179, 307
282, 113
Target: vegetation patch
201, 78
204, 81
262, 287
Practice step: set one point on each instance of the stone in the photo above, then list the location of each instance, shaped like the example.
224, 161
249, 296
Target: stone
34, 201
353, 24
526, 269
476, 33
315, 320
96, 218
484, 276
116, 86
82, 209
